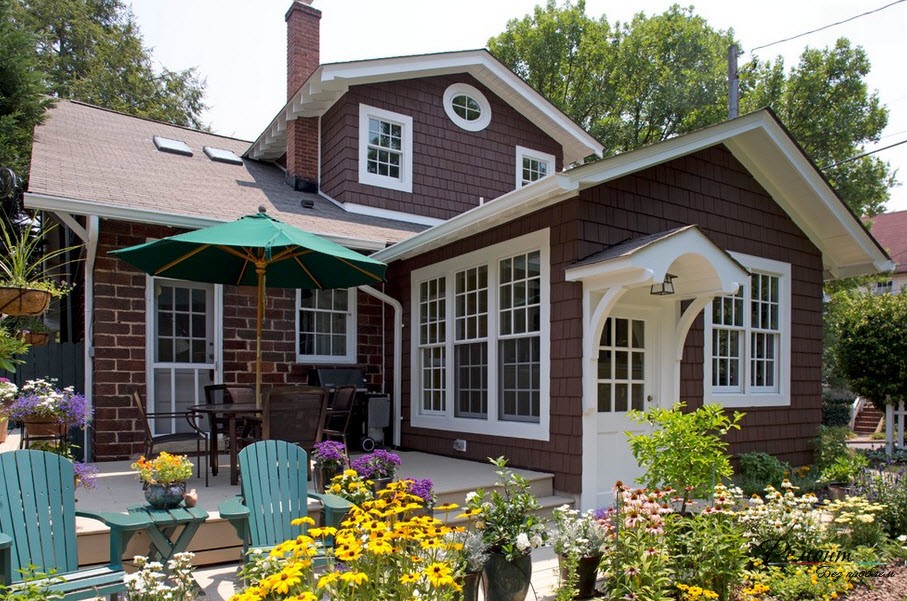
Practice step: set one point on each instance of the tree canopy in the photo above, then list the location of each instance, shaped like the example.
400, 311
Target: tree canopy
635, 83
871, 347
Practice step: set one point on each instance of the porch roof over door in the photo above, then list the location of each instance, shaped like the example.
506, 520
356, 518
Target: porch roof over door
699, 266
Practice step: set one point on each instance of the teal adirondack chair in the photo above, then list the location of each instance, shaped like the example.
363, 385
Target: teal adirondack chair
274, 491
38, 527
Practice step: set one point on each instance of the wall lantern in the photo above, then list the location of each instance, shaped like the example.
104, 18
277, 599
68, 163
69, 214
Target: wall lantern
664, 288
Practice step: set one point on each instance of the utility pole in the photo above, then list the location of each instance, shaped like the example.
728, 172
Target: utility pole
732, 82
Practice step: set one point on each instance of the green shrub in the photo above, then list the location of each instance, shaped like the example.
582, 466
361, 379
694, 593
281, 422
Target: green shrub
836, 412
845, 468
888, 487
758, 470
830, 443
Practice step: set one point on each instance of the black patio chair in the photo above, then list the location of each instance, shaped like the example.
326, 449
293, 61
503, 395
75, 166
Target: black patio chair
194, 434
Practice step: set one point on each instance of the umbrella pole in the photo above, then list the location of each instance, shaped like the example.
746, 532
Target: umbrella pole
260, 270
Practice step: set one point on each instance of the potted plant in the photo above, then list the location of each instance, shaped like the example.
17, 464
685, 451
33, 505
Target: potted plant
578, 539
352, 487
471, 554
48, 411
30, 329
8, 393
26, 284
511, 530
330, 459
164, 478
424, 489
379, 466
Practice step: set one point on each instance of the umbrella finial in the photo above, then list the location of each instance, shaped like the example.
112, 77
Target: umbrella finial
261, 208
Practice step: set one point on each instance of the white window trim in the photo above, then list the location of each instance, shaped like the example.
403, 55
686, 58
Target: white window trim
749, 398
523, 152
351, 334
492, 425
405, 182
457, 89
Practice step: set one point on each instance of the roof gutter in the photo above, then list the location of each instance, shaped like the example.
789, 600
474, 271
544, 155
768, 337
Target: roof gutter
76, 206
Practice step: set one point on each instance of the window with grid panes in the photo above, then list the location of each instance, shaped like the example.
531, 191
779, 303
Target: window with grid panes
432, 343
728, 334
765, 334
622, 365
385, 148
326, 325
471, 342
519, 343
182, 325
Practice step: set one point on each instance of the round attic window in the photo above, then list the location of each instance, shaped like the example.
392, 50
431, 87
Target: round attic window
467, 107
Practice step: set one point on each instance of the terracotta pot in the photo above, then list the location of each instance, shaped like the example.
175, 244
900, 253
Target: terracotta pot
165, 496
505, 580
47, 426
23, 301
587, 570
4, 426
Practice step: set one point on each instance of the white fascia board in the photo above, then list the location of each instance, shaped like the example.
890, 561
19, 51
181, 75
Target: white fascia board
502, 209
75, 206
360, 209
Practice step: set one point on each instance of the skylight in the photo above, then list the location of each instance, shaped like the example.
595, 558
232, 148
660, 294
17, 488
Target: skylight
173, 146
222, 156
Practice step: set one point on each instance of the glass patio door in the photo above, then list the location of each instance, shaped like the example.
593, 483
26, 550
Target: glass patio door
184, 348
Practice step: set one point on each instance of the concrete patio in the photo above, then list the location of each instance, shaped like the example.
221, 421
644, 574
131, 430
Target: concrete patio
216, 545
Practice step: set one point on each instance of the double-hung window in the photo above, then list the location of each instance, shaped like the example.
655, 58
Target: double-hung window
326, 323
747, 339
385, 148
488, 371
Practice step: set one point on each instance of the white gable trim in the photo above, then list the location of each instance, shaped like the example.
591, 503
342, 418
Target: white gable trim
329, 82
757, 140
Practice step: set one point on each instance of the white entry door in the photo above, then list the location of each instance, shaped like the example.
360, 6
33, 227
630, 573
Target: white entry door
625, 375
184, 347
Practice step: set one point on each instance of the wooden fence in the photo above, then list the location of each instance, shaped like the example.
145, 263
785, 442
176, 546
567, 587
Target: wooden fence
63, 361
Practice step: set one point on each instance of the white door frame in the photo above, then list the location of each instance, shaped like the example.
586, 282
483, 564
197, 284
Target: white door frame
150, 333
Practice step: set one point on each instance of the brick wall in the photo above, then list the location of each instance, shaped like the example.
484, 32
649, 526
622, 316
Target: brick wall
303, 39
119, 326
452, 167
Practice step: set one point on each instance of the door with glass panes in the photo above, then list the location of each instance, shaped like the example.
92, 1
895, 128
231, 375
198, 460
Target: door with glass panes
624, 381
184, 353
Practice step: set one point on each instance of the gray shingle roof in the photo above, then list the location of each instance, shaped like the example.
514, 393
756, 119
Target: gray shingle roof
87, 153
628, 247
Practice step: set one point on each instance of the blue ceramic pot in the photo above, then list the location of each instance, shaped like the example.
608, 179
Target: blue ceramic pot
165, 496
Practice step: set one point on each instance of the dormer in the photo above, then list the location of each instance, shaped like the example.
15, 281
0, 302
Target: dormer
420, 138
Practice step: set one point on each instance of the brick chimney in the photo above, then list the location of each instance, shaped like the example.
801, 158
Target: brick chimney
303, 41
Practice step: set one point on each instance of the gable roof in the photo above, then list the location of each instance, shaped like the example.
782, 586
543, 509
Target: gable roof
92, 161
331, 81
758, 140
890, 229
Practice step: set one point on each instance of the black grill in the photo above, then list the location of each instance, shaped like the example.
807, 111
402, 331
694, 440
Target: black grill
368, 425
334, 377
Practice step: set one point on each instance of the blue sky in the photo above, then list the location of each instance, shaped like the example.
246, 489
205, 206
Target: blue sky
240, 46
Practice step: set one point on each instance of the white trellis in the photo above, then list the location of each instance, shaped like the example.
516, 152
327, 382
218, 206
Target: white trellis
894, 414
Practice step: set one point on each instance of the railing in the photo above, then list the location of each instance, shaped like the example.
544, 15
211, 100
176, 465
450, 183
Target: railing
63, 361
858, 405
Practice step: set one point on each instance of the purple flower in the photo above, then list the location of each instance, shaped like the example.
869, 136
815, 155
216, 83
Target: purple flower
377, 464
422, 489
330, 453
40, 399
86, 475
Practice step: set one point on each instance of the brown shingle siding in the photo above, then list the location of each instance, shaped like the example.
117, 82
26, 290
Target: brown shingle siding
452, 167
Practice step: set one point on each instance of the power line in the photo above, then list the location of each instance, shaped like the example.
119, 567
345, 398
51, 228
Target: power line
865, 154
800, 35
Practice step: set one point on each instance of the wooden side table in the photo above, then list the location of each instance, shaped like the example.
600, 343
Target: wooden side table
164, 525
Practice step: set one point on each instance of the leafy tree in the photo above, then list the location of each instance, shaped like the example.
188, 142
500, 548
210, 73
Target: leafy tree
91, 50
655, 77
21, 88
871, 347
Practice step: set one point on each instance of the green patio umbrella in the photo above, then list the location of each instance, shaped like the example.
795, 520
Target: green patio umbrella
255, 250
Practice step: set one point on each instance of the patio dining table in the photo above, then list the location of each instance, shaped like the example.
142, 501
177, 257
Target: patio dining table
231, 411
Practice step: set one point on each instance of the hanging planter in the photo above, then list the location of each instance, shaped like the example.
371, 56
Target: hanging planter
23, 301
35, 338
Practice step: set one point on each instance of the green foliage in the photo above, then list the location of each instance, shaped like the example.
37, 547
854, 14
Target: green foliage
567, 587
836, 412
685, 449
830, 443
21, 92
709, 550
758, 470
871, 351
638, 567
10, 348
24, 261
855, 522
845, 468
35, 586
643, 81
91, 50
888, 487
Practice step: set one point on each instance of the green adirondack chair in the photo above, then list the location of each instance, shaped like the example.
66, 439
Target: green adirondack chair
38, 527
274, 491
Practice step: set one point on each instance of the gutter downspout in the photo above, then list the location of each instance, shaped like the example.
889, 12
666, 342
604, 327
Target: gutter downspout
92, 223
398, 354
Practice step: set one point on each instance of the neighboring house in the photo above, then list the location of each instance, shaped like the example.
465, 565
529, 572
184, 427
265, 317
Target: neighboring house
890, 229
521, 313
